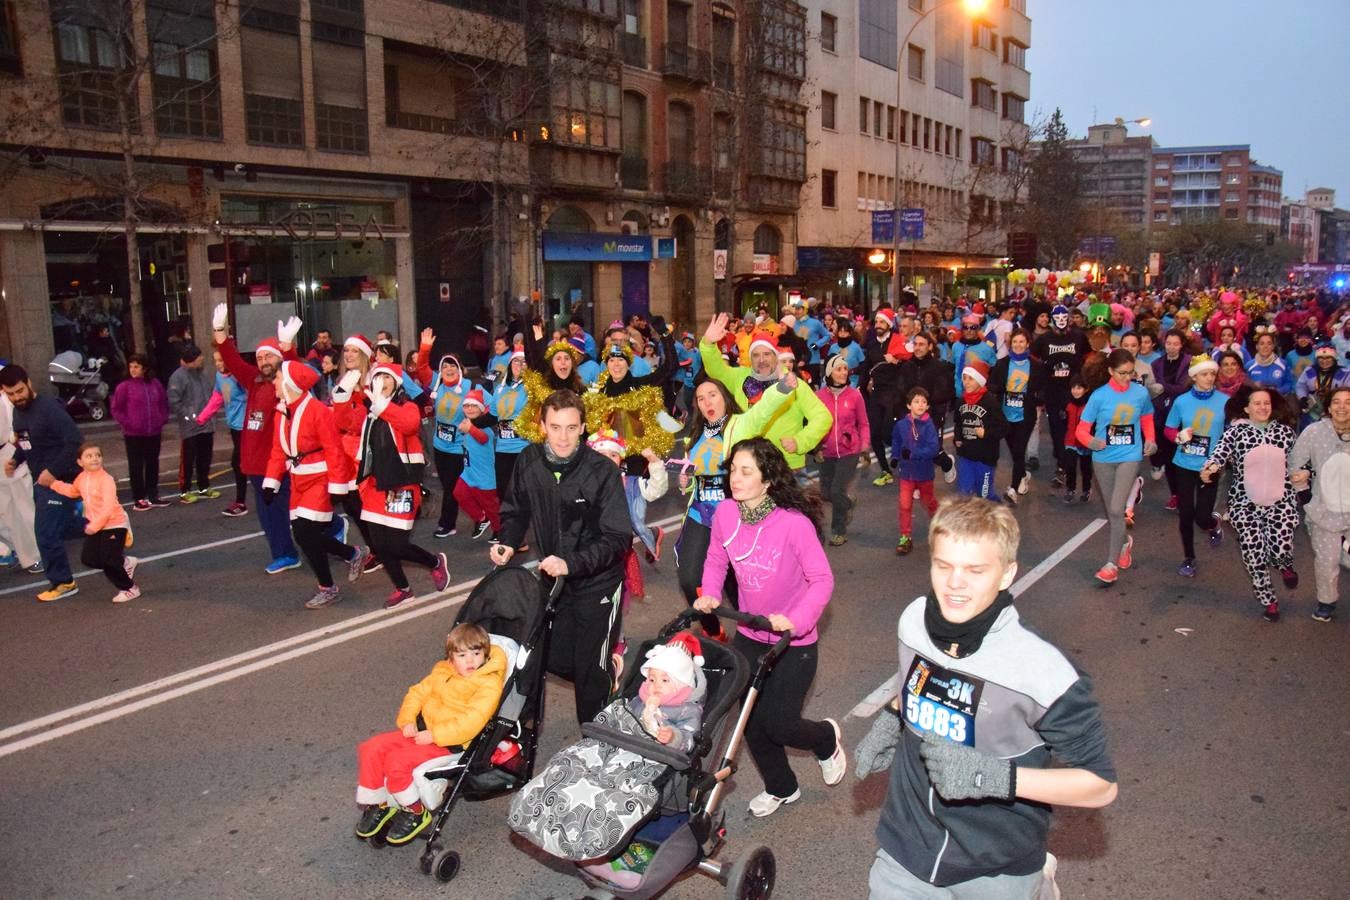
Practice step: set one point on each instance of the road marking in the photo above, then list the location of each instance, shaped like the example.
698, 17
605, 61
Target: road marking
883, 692
181, 684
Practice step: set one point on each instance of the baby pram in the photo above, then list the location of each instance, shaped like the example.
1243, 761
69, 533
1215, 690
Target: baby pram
79, 383
686, 828
516, 609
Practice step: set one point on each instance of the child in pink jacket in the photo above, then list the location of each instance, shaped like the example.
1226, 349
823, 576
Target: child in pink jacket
848, 437
107, 533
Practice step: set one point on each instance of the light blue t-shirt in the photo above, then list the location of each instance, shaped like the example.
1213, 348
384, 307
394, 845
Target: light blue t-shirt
1015, 389
1115, 419
1204, 415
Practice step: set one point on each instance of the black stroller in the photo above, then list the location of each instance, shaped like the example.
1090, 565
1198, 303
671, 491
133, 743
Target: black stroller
509, 602
687, 828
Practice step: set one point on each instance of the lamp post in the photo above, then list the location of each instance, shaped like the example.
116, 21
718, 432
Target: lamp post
1101, 190
972, 8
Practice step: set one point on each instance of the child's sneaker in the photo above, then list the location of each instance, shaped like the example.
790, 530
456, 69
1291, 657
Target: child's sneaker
130, 593
396, 597
324, 596
881, 480
129, 564
440, 576
1324, 612
904, 545
480, 529
373, 819
1070, 496
356, 566
406, 825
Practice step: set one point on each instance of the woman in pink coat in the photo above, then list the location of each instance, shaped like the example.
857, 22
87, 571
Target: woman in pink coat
848, 437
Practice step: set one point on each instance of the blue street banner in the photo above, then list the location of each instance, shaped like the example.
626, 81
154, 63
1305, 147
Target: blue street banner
1097, 246
596, 247
665, 248
911, 224
883, 226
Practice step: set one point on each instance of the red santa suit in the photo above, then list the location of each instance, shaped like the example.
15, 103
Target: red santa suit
306, 446
349, 408
391, 440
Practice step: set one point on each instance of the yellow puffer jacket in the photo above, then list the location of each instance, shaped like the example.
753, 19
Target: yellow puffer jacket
455, 709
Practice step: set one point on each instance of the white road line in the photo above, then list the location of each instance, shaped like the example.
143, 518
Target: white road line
183, 683
883, 692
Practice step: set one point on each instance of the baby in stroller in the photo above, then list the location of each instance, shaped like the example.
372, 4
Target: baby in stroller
448, 708
592, 794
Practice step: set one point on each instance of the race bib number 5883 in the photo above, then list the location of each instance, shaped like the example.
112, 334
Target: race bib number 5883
942, 702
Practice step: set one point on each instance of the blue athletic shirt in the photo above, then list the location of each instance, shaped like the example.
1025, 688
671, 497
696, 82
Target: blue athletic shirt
507, 402
1115, 419
1015, 389
1203, 414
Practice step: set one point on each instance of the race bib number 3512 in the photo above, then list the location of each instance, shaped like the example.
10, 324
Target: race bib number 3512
941, 702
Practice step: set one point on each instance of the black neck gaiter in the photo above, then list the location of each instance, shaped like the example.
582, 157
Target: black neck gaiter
966, 636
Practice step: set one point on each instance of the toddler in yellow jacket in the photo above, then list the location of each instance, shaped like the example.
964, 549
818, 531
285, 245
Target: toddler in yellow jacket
455, 703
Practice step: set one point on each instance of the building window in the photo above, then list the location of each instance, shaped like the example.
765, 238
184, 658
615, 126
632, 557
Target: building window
828, 184
981, 151
768, 240
982, 94
1016, 5
916, 5
1160, 182
927, 133
876, 118
890, 123
829, 27
982, 35
633, 166
1162, 164
1012, 161
1014, 53
588, 113
960, 142
863, 106
949, 70
947, 140
1234, 161
87, 63
1014, 107
916, 62
273, 108
185, 80
877, 39
1230, 197
340, 120
9, 41
828, 102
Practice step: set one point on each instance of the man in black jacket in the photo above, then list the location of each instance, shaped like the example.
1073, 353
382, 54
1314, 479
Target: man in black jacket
573, 498
927, 370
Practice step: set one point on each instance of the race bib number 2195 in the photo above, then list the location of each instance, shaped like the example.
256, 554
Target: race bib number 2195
941, 702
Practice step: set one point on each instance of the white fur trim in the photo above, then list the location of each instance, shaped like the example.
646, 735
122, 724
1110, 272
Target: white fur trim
388, 521
371, 796
313, 515
272, 483
310, 468
761, 342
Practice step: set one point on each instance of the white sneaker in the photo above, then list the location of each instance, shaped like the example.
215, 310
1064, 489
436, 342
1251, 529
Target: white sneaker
766, 804
1157, 473
1025, 486
129, 564
130, 593
835, 768
1011, 496
949, 476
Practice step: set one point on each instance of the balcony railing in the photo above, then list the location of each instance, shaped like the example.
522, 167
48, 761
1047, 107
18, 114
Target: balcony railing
633, 173
724, 74
686, 180
633, 49
687, 62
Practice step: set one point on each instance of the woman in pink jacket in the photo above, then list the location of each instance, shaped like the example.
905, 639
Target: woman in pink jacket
849, 435
141, 406
768, 534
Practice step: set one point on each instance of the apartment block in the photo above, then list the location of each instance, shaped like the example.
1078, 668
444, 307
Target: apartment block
1211, 184
1114, 169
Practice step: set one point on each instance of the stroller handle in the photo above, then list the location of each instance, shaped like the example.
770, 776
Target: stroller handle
758, 623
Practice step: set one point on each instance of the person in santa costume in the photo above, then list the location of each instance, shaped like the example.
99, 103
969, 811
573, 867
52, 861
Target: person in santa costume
349, 415
306, 447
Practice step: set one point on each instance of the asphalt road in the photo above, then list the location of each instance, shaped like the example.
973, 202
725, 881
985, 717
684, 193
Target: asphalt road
213, 751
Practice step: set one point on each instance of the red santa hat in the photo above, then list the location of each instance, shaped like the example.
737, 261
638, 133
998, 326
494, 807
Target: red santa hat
298, 377
763, 339
607, 440
362, 343
393, 370
885, 314
680, 658
269, 345
977, 369
516, 355
475, 397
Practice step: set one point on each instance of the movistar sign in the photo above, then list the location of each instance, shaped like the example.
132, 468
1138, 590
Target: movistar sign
596, 247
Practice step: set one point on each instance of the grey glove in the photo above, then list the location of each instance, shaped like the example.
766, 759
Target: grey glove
961, 773
875, 751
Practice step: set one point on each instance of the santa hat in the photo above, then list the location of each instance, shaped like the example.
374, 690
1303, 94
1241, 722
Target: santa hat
298, 377
763, 339
475, 397
971, 321
887, 314
393, 370
1202, 364
269, 345
607, 440
681, 658
362, 343
977, 369
516, 355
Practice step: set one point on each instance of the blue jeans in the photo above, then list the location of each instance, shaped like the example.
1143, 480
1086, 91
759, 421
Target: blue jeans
52, 515
637, 512
275, 518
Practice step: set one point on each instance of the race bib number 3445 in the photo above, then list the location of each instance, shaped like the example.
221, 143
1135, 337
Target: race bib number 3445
942, 702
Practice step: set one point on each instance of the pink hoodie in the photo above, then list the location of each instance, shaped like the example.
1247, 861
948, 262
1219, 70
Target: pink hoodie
849, 432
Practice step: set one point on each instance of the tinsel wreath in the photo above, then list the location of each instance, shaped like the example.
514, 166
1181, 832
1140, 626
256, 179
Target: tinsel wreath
638, 408
1255, 307
1201, 309
536, 392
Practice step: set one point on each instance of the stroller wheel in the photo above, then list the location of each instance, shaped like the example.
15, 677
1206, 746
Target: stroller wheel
424, 861
752, 876
445, 865
97, 412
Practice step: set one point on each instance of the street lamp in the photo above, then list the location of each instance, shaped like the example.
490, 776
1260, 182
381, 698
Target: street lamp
972, 9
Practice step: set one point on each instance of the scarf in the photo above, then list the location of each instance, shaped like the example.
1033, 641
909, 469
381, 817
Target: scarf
962, 639
1019, 357
713, 430
973, 397
755, 515
560, 464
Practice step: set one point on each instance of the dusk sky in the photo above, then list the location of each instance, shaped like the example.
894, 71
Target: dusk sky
1269, 74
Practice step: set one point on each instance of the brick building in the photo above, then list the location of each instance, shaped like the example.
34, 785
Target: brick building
1211, 184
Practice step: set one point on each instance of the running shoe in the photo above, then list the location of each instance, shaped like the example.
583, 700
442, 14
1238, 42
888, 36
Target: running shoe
130, 593
1289, 577
188, 497
282, 564
356, 566
1187, 568
835, 766
35, 569
372, 564
1324, 612
1024, 486
1011, 496
949, 473
881, 480
904, 545
373, 819
68, 589
443, 532
480, 529
1057, 480
1156, 474
324, 596
234, 510
1108, 574
1171, 503
142, 506
209, 494
129, 564
157, 503
766, 804
1085, 497
397, 596
1070, 496
1216, 536
1272, 612
838, 540
440, 576
1126, 558
406, 825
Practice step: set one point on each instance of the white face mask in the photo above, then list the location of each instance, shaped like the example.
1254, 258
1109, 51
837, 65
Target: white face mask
1060, 321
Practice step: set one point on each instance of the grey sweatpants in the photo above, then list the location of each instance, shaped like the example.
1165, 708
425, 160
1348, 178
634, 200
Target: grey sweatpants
1326, 545
889, 880
1115, 481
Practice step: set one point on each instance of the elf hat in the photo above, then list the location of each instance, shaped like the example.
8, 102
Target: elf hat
977, 369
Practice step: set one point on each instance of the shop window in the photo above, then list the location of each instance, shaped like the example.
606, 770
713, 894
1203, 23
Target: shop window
273, 104
340, 120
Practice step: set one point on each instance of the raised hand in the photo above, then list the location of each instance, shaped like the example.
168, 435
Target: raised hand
717, 328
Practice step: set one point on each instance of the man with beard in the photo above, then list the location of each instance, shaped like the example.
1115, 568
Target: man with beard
1062, 350
45, 437
882, 352
924, 369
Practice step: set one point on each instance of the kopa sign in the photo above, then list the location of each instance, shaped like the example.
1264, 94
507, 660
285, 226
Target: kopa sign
329, 223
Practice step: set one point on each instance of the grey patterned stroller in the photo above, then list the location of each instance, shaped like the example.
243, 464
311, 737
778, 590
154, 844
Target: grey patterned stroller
685, 828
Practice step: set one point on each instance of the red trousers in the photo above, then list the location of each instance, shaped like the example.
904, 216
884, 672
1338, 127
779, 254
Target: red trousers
481, 505
633, 584
907, 488
384, 767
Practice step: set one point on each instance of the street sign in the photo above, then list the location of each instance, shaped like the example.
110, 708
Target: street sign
911, 224
719, 265
883, 226
1097, 246
445, 292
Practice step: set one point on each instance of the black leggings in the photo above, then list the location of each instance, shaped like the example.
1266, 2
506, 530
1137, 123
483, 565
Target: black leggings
776, 722
1057, 411
1195, 505
103, 550
1073, 464
143, 460
195, 458
240, 479
317, 543
449, 466
351, 505
691, 551
1017, 437
393, 547
881, 421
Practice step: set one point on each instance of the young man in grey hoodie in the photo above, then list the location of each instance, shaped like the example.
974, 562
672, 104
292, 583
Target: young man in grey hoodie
190, 388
